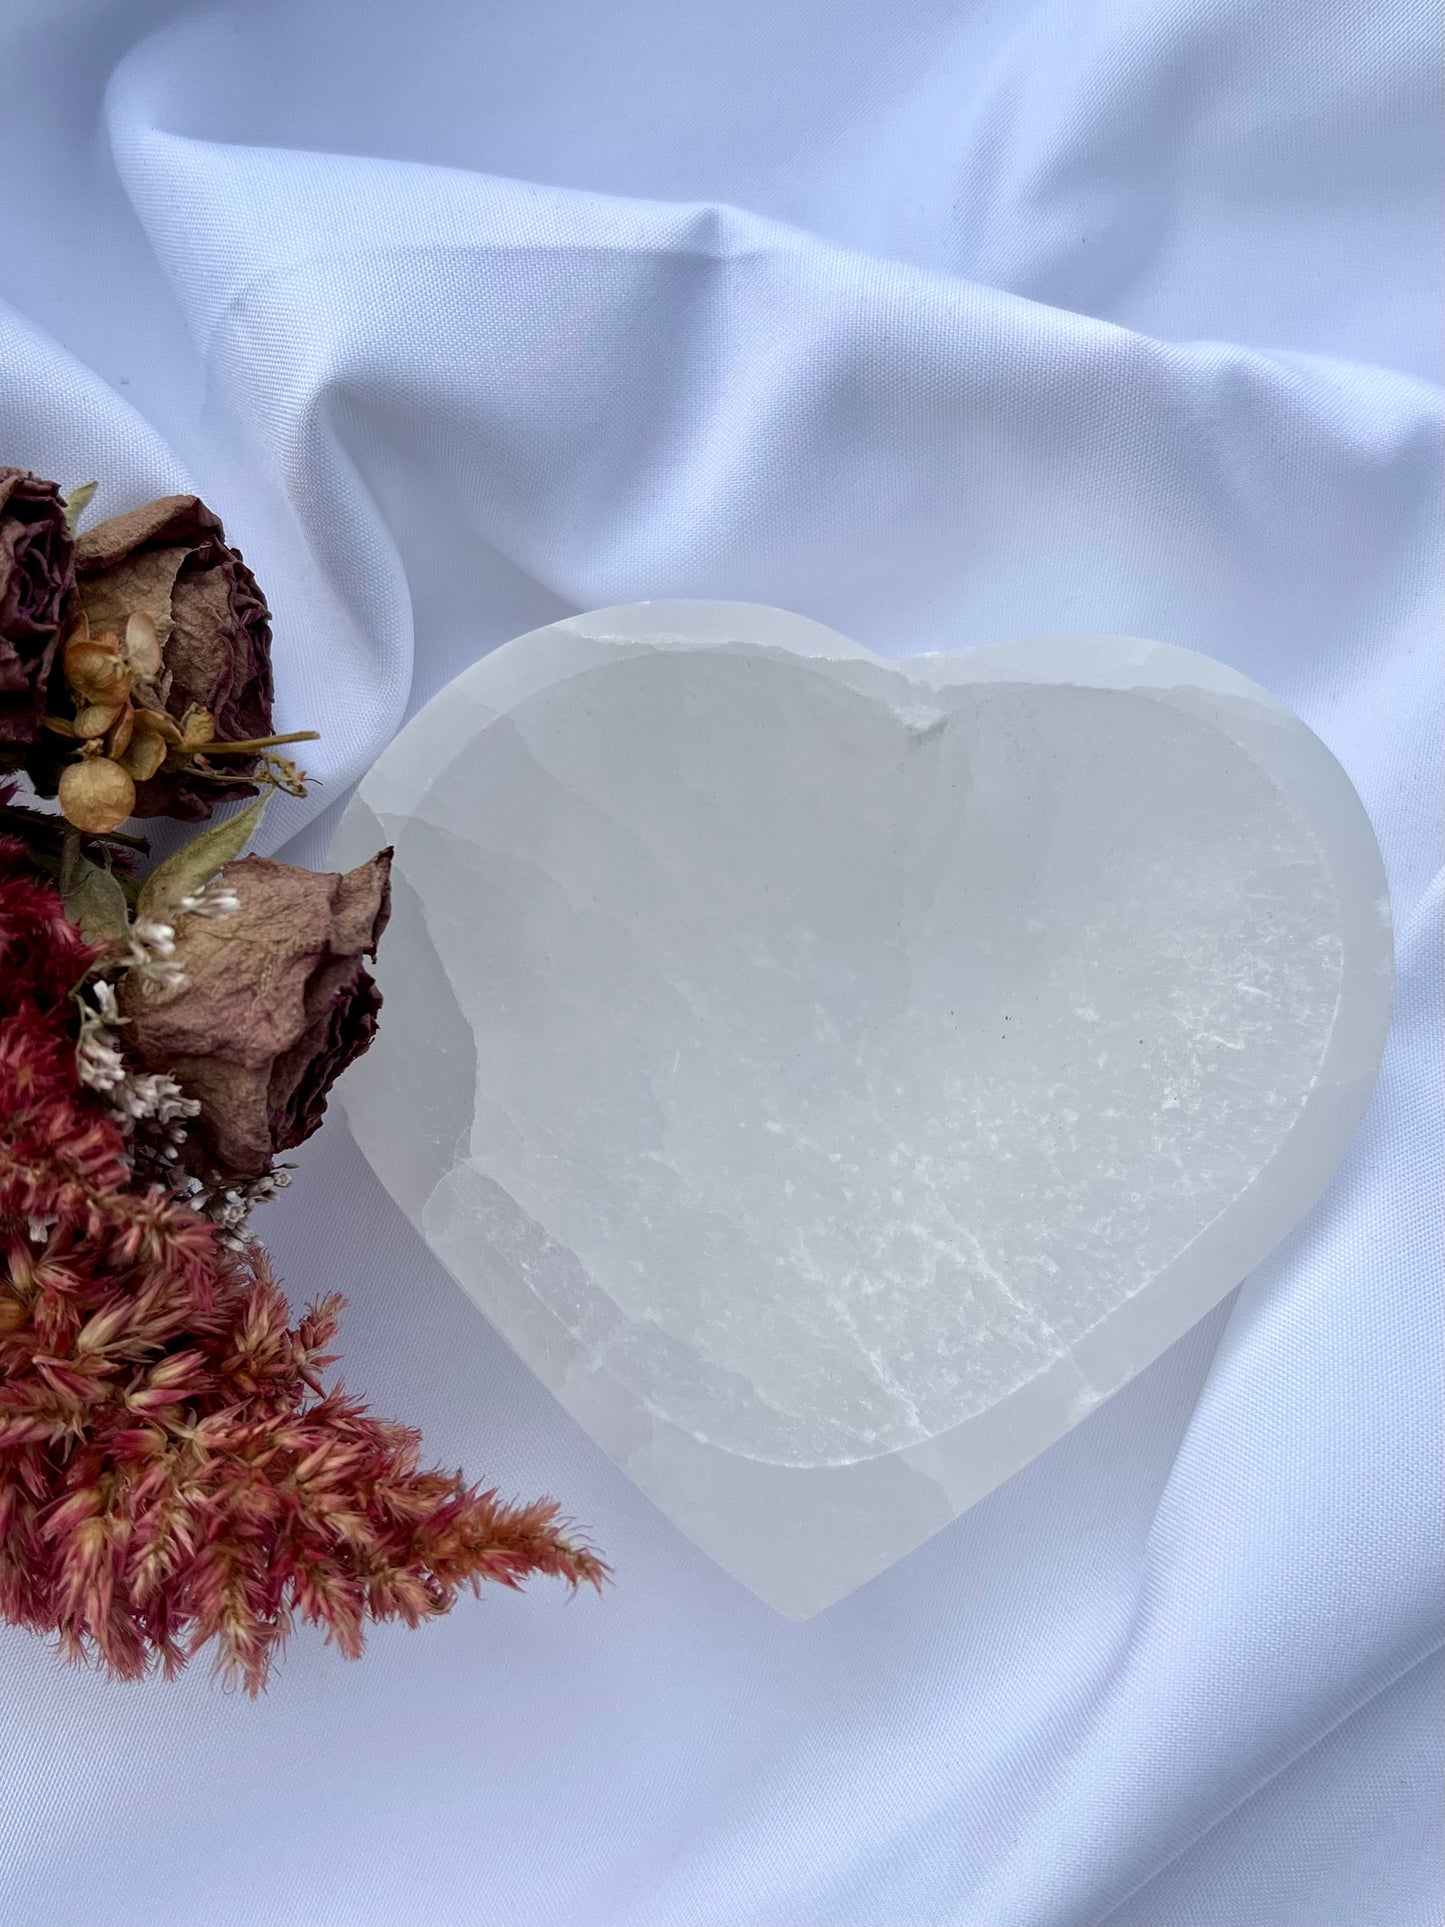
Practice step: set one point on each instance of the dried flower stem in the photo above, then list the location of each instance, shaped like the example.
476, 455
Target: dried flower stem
50, 828
258, 743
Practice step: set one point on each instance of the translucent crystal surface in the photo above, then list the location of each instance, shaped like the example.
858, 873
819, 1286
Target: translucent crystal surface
835, 1076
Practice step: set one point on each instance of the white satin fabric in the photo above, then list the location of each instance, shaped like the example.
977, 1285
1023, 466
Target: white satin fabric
942, 323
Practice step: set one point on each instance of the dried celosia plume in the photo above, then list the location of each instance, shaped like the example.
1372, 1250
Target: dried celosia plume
173, 1473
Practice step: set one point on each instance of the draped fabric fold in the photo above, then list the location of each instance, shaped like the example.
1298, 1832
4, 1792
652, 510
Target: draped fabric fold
940, 324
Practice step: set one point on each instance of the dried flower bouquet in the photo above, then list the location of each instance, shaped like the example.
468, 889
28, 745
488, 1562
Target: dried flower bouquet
174, 1473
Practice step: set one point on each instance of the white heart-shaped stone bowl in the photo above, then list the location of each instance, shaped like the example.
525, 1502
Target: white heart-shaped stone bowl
835, 1076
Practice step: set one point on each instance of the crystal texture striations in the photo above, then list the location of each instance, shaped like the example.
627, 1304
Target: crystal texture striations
834, 1076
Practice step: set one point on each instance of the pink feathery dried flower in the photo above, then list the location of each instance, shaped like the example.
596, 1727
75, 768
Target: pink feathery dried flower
173, 1472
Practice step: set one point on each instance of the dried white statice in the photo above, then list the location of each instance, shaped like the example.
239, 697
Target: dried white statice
212, 900
100, 1064
98, 1058
151, 955
155, 1095
229, 1202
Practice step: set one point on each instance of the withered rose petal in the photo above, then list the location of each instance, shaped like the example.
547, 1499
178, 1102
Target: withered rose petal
37, 597
345, 1003
171, 560
342, 1002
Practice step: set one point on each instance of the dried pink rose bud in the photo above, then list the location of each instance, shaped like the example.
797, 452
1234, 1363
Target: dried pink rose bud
275, 1002
37, 597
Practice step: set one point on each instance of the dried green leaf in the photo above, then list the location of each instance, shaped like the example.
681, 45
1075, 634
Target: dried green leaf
196, 862
77, 502
95, 900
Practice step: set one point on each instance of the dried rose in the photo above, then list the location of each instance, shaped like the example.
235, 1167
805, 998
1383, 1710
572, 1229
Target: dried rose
37, 596
275, 1003
170, 563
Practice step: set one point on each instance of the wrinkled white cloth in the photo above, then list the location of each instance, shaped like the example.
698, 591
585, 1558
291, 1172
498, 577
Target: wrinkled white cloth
941, 323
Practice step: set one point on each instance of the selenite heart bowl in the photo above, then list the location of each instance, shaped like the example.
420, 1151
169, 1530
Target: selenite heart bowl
833, 1075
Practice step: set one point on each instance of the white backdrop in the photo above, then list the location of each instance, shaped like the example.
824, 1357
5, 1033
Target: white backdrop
940, 321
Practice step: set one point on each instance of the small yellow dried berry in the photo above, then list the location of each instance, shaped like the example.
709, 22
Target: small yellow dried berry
145, 755
96, 795
95, 671
96, 718
118, 736
198, 727
157, 720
